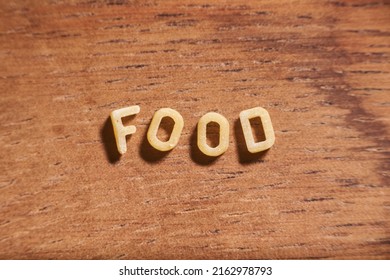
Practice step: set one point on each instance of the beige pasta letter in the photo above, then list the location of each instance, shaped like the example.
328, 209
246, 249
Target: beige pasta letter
269, 134
223, 134
121, 131
176, 132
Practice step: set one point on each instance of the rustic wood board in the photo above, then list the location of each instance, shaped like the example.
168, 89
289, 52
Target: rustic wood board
321, 69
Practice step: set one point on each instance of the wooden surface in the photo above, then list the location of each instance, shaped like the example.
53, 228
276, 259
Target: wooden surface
320, 68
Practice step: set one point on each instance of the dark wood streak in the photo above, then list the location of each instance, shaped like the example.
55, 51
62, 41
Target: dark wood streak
343, 98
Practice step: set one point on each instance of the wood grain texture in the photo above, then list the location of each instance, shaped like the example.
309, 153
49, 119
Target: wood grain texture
320, 68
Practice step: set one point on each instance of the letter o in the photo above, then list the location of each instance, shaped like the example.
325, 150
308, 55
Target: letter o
155, 124
223, 134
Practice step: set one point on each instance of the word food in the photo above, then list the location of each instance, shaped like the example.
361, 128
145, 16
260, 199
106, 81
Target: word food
121, 131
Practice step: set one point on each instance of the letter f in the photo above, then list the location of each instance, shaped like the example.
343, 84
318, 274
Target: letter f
121, 131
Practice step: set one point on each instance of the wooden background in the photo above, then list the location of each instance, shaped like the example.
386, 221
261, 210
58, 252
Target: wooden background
321, 69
